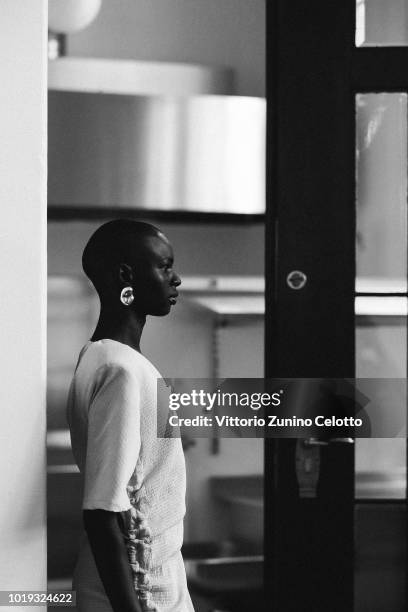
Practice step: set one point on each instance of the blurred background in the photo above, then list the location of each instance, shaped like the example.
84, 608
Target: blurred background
157, 111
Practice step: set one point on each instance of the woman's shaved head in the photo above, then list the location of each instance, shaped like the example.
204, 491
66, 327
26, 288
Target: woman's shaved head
117, 242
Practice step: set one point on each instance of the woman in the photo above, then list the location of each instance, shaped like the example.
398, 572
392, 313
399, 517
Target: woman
134, 481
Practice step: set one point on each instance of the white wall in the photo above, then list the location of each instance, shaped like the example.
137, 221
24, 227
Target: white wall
219, 32
23, 28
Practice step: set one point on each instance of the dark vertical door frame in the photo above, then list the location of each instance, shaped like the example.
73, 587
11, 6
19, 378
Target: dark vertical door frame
311, 188
313, 74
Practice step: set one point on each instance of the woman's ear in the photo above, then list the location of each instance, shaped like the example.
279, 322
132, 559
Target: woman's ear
125, 273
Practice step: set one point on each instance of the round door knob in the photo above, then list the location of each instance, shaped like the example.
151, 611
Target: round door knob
296, 279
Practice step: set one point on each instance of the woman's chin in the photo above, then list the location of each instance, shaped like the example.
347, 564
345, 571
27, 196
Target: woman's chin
161, 312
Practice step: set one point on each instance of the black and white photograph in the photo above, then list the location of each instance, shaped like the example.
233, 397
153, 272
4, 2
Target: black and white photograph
204, 305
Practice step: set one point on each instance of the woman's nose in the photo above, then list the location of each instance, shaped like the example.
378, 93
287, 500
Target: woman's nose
176, 280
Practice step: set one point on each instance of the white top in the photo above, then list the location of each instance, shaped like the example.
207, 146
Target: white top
115, 415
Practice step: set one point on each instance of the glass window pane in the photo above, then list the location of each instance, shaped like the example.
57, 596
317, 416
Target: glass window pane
381, 325
381, 352
381, 183
381, 23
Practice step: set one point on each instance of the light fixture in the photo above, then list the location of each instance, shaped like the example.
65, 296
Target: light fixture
66, 17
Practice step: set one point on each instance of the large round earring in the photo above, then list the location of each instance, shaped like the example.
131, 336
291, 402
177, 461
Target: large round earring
126, 296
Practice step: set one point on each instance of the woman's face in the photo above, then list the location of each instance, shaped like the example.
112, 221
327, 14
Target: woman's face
155, 280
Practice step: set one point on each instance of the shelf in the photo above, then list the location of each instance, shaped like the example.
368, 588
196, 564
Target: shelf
366, 307
232, 306
104, 213
221, 284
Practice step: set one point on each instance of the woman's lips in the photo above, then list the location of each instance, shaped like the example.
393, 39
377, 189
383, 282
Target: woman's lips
173, 299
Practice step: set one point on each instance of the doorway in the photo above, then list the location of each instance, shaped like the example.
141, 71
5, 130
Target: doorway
337, 215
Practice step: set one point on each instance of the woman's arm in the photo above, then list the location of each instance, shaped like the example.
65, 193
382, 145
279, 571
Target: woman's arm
111, 558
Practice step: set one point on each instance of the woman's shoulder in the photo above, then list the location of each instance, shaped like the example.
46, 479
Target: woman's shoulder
110, 355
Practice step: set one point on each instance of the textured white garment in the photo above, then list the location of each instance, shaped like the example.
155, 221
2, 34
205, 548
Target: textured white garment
113, 413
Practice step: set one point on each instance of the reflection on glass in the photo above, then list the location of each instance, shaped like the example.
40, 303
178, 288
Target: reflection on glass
381, 181
376, 284
381, 23
381, 352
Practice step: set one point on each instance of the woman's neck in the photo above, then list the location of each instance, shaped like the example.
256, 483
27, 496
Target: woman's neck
123, 325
